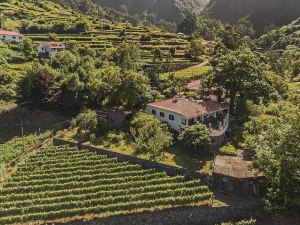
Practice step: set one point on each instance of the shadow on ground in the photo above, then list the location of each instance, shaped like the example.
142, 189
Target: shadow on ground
33, 121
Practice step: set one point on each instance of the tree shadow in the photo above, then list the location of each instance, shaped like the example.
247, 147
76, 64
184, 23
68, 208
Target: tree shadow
15, 120
188, 158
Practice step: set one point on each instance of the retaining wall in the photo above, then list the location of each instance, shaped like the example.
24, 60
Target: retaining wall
201, 215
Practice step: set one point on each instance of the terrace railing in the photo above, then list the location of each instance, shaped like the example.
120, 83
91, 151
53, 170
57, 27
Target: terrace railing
221, 132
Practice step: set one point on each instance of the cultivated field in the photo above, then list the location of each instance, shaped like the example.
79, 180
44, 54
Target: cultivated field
63, 183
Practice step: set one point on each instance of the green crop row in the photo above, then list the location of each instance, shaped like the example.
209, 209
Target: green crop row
60, 182
119, 207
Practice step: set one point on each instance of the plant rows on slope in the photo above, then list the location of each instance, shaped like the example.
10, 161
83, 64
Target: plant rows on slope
59, 182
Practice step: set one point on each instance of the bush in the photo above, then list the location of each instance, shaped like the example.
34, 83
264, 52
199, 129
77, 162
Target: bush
243, 222
146, 37
86, 121
228, 150
195, 136
150, 135
113, 138
92, 137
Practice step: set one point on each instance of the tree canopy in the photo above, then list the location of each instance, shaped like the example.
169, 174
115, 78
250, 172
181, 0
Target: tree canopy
195, 136
149, 135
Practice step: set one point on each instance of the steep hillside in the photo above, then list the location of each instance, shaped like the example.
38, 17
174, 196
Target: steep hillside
281, 38
260, 12
170, 10
38, 19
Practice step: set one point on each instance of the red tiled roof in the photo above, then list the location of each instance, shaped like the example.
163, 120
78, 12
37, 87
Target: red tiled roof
55, 43
11, 33
56, 47
194, 85
189, 108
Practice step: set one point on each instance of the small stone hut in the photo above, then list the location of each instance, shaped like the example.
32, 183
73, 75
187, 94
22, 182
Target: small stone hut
235, 175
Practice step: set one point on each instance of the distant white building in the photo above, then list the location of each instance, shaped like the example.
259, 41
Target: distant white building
11, 36
181, 112
51, 48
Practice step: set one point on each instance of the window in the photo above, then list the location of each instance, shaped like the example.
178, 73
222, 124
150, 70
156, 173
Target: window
171, 117
183, 121
191, 121
14, 38
199, 118
153, 112
162, 114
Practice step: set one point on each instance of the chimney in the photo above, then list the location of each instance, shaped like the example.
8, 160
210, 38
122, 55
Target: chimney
175, 99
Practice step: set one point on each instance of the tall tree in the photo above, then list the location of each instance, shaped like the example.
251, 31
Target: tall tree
150, 136
231, 38
279, 159
240, 74
195, 136
37, 86
188, 25
127, 55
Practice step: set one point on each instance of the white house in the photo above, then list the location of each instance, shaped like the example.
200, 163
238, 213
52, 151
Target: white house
10, 36
51, 48
181, 112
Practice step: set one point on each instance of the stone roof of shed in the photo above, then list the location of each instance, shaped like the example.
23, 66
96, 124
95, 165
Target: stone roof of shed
235, 166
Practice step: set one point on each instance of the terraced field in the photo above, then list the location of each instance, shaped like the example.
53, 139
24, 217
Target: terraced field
106, 39
63, 182
102, 34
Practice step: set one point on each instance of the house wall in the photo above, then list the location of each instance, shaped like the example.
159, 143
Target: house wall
238, 186
11, 38
175, 124
46, 49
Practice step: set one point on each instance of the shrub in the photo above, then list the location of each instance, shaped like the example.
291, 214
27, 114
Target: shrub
146, 37
195, 136
243, 222
150, 135
92, 137
115, 138
228, 150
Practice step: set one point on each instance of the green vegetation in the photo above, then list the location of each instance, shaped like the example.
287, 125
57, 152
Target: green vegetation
13, 148
112, 66
243, 222
279, 159
149, 135
262, 14
228, 150
193, 72
196, 136
155, 12
61, 182
282, 37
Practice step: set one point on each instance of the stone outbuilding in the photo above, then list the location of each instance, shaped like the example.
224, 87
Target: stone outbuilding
236, 176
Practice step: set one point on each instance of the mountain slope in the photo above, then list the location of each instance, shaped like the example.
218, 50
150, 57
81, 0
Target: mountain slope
260, 12
170, 10
282, 37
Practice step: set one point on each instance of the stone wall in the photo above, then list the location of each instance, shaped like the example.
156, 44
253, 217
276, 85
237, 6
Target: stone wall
146, 164
193, 215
